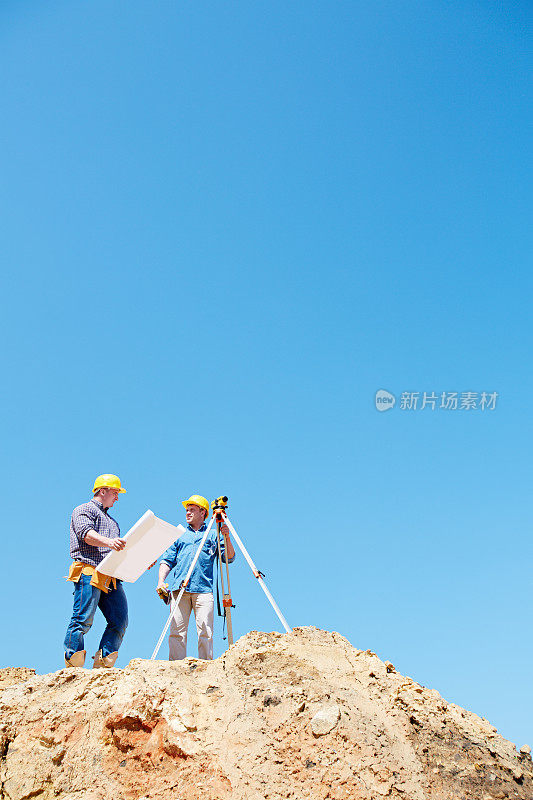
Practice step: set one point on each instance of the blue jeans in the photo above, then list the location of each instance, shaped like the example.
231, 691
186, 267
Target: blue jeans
113, 606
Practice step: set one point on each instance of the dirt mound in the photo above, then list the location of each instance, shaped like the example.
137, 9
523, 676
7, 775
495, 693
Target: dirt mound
299, 715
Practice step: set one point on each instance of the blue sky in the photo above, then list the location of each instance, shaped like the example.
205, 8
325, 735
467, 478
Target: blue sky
225, 227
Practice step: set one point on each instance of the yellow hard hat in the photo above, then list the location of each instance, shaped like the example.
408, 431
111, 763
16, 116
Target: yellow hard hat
109, 482
198, 500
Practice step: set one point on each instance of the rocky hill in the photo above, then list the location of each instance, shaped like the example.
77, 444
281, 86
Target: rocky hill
299, 715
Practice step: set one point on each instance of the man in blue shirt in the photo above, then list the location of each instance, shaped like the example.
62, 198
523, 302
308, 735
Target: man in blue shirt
175, 563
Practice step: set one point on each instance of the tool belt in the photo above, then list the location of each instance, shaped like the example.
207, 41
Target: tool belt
99, 581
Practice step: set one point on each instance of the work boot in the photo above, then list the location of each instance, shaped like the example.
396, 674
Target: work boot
76, 659
105, 661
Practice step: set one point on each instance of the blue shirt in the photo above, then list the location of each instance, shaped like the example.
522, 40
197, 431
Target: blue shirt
179, 557
91, 516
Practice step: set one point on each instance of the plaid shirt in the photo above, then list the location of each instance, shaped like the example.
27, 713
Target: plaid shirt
91, 516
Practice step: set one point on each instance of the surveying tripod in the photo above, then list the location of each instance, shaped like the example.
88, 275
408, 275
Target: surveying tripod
220, 517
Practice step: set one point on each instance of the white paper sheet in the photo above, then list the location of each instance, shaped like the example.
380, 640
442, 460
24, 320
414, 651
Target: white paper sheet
145, 542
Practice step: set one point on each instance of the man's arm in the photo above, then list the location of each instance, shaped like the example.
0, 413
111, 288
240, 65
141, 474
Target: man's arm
168, 562
96, 540
164, 569
227, 540
83, 519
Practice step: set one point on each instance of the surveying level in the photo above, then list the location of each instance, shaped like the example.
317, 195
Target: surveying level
219, 507
220, 504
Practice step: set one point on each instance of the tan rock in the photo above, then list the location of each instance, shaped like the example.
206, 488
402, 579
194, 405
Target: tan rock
302, 715
325, 720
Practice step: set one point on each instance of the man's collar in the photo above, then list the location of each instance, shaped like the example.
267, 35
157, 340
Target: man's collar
201, 529
100, 505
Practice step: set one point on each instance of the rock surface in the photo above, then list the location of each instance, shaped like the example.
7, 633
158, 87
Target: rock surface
299, 715
12, 675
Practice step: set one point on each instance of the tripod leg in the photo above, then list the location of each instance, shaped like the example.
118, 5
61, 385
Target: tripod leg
228, 598
182, 589
219, 557
258, 576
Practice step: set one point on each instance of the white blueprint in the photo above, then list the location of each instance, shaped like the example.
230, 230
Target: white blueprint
145, 542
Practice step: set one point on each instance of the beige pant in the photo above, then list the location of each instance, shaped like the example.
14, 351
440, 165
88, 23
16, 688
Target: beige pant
204, 606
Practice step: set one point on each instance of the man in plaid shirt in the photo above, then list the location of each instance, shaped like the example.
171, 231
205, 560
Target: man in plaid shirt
93, 534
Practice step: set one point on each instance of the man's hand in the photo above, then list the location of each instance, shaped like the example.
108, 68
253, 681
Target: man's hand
117, 544
162, 591
225, 531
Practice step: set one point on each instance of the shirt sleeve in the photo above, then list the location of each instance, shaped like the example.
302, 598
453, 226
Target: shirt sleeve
83, 521
170, 556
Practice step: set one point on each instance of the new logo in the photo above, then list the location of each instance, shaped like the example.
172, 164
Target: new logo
384, 400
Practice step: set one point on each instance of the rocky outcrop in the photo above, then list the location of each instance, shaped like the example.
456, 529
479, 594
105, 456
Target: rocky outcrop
299, 715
